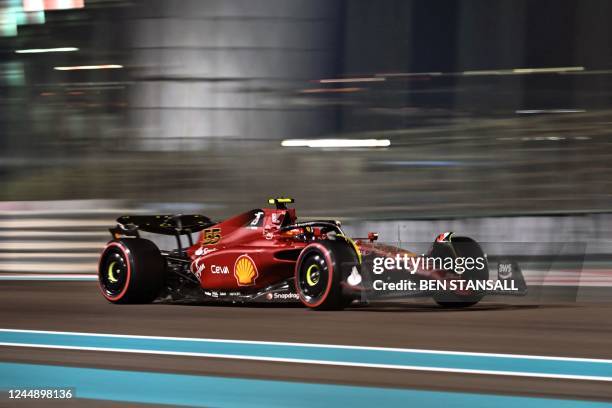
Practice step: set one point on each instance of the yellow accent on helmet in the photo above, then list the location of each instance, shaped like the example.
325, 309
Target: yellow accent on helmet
280, 200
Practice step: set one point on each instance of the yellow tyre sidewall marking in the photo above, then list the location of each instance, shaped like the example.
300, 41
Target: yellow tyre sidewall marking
110, 274
309, 275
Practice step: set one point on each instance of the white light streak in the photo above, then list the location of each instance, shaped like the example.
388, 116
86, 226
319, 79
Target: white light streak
345, 80
82, 67
408, 74
486, 72
533, 111
43, 50
546, 70
336, 143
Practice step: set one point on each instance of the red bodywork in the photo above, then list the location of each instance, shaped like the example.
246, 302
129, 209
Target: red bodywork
251, 253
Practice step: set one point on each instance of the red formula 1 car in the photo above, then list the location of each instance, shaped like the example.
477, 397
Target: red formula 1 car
265, 255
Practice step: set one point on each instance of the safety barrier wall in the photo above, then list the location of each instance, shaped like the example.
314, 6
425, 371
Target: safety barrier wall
590, 231
67, 236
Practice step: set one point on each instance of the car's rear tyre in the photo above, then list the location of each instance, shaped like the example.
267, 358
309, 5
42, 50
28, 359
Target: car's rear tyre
461, 247
131, 270
319, 271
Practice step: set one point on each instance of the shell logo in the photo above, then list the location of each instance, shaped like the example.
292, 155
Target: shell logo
245, 271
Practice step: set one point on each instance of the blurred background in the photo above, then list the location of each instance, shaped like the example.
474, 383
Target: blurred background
361, 110
489, 118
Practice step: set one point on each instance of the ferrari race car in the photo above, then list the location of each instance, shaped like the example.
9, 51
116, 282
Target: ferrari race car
266, 255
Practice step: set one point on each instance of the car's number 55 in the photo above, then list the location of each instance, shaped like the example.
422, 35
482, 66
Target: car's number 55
211, 236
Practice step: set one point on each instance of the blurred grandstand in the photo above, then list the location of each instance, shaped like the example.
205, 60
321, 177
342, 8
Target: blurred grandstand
486, 113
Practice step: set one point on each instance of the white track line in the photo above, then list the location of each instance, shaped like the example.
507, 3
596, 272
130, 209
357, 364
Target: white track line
316, 345
315, 362
320, 362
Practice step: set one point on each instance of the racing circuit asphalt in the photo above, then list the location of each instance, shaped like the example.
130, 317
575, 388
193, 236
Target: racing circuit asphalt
552, 328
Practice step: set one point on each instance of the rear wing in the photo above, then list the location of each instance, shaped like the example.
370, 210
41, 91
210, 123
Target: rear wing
177, 225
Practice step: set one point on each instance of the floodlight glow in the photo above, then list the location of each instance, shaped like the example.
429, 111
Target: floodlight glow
45, 5
336, 143
531, 111
546, 70
43, 50
81, 67
349, 80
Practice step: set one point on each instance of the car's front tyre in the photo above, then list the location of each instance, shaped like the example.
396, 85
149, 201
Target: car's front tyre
467, 248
